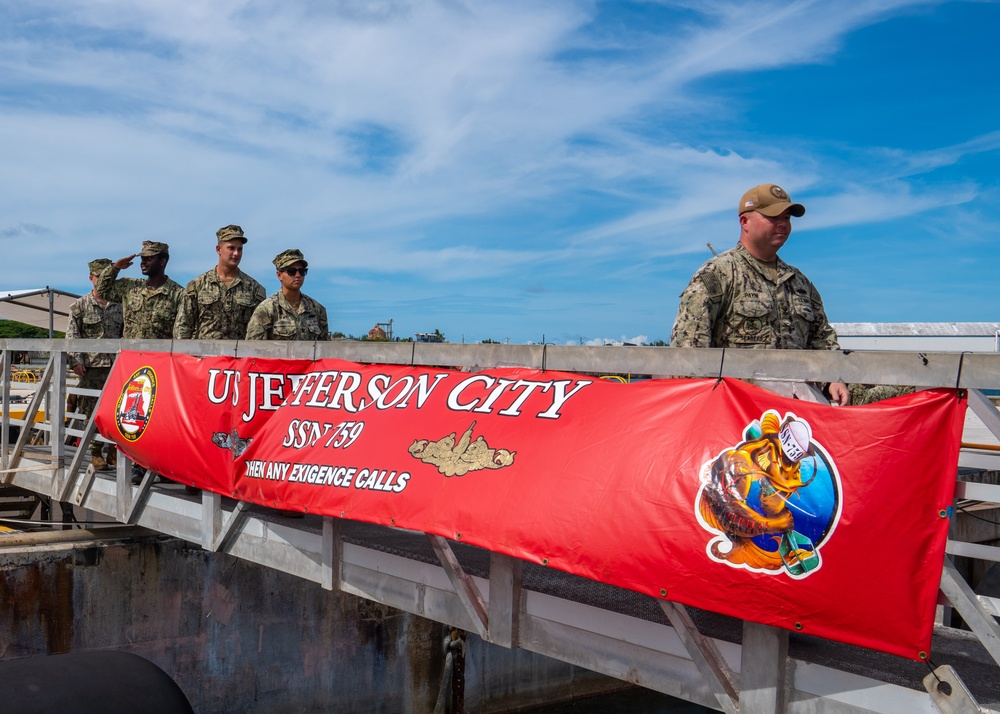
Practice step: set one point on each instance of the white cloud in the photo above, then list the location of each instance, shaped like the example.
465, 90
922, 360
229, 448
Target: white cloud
615, 341
372, 134
854, 205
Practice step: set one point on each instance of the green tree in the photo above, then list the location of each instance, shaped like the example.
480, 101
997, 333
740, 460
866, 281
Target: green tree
12, 329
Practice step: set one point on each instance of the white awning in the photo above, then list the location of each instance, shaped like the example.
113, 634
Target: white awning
42, 307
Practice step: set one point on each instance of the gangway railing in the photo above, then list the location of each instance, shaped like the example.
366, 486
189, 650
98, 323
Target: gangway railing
759, 673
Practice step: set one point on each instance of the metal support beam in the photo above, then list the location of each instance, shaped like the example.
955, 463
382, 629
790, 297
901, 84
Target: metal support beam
967, 604
29, 418
465, 588
5, 374
706, 656
973, 550
505, 600
56, 416
926, 369
949, 693
137, 500
764, 669
72, 473
332, 574
212, 531
82, 483
984, 409
65, 488
805, 391
230, 527
123, 486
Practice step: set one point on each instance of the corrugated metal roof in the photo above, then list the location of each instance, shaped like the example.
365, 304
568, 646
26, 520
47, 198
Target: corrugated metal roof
917, 329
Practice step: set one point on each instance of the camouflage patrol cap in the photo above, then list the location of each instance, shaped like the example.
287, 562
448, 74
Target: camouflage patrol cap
230, 232
151, 247
97, 266
286, 257
770, 200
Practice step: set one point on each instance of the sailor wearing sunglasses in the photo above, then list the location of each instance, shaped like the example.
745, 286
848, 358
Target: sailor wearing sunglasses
289, 314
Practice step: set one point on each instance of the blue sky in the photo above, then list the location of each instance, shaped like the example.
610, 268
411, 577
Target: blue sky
508, 169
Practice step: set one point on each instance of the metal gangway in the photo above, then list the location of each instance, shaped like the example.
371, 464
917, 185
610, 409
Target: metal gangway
718, 662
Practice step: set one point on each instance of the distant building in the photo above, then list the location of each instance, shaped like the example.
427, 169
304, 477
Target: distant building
428, 337
919, 336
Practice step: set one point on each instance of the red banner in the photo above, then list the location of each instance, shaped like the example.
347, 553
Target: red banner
721, 495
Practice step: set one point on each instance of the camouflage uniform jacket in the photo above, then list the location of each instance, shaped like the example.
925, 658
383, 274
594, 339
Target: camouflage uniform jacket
276, 319
211, 311
732, 302
89, 321
149, 314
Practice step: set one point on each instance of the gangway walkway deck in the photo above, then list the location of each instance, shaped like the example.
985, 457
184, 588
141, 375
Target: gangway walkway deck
705, 658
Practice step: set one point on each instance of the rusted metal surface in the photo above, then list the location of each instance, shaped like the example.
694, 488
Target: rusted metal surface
237, 637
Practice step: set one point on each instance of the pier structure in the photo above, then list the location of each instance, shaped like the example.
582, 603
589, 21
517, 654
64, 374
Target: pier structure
715, 661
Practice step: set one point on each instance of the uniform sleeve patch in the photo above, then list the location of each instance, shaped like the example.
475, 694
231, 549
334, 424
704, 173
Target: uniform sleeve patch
713, 286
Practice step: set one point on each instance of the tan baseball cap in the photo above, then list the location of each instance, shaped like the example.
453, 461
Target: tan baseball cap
230, 232
286, 257
770, 200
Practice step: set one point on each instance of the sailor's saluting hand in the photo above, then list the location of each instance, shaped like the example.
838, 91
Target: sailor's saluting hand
125, 262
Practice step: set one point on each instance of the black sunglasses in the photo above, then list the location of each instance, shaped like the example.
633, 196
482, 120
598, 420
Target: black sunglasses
295, 271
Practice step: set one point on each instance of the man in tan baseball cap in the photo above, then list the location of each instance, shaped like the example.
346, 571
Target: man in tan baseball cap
748, 297
770, 200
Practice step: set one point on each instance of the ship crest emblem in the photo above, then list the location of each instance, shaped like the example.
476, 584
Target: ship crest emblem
135, 404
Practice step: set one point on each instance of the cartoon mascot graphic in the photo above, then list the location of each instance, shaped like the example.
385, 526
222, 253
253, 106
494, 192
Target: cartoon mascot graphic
772, 500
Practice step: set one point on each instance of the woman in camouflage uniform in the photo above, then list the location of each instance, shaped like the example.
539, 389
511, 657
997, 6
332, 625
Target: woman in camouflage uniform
289, 314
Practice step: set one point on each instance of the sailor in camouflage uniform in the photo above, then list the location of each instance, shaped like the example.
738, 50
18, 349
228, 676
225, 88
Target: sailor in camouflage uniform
871, 393
94, 318
217, 305
748, 297
289, 314
149, 306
